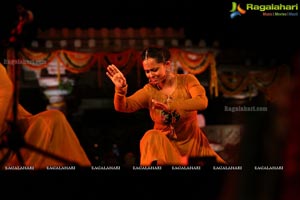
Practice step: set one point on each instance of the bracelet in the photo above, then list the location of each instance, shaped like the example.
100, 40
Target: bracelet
119, 94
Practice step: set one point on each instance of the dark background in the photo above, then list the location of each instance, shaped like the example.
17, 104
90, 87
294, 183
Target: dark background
209, 20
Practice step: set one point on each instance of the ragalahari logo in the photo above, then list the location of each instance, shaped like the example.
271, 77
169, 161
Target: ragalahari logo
236, 10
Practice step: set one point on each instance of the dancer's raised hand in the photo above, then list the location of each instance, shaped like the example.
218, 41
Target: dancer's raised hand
116, 76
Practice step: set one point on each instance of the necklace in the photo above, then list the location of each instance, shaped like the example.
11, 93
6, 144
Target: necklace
171, 91
169, 99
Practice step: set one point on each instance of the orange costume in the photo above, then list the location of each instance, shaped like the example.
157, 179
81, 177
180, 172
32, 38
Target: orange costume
165, 143
48, 131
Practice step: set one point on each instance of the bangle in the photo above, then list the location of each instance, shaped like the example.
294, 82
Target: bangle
121, 95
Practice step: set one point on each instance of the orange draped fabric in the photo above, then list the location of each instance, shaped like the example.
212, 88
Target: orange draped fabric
48, 132
80, 62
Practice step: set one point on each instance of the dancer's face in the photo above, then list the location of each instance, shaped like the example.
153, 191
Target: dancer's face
155, 72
